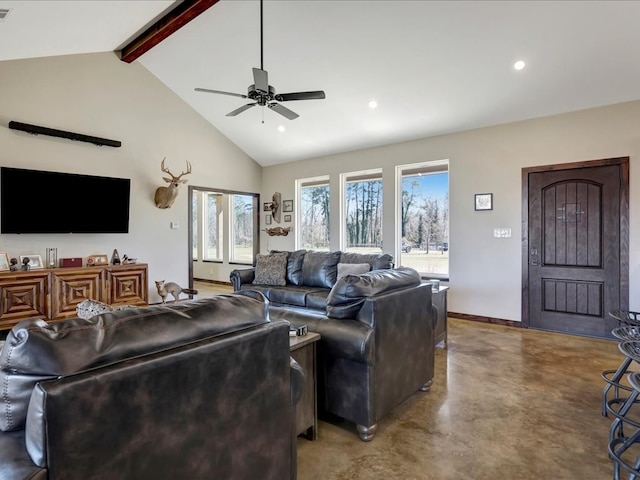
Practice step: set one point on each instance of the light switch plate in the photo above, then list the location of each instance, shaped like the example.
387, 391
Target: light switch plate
175, 225
502, 232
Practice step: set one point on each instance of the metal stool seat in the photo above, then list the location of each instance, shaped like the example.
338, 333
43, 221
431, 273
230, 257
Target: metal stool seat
626, 333
625, 451
626, 317
629, 326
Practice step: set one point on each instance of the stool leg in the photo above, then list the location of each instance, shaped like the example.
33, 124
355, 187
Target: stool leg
614, 379
616, 426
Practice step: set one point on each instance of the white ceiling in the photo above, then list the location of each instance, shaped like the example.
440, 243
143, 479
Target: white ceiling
434, 67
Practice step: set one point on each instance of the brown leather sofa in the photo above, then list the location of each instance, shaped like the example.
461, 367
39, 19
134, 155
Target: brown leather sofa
376, 346
200, 389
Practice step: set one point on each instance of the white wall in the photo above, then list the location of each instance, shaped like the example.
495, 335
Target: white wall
485, 272
98, 95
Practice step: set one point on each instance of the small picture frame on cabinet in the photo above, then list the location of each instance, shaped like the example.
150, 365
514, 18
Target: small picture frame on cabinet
34, 262
97, 260
4, 262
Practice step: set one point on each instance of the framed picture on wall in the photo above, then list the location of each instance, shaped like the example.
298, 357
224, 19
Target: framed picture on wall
287, 206
266, 206
287, 218
267, 219
484, 201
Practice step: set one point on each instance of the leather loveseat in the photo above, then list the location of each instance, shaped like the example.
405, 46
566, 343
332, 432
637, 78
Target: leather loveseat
376, 346
200, 389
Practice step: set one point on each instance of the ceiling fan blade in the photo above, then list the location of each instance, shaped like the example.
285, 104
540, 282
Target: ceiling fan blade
287, 97
241, 109
221, 92
284, 111
261, 80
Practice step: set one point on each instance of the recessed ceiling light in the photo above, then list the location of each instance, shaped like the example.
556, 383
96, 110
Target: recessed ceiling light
519, 65
281, 128
373, 104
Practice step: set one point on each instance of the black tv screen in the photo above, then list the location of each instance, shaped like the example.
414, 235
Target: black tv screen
34, 201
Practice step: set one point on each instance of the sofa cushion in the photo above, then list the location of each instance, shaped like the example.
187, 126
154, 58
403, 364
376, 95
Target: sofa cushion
317, 300
290, 295
350, 292
378, 261
294, 266
36, 350
271, 269
352, 269
319, 269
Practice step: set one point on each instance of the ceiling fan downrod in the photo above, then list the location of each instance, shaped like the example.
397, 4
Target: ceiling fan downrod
261, 40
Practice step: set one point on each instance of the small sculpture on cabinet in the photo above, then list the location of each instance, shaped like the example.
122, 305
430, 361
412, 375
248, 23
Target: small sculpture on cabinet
14, 264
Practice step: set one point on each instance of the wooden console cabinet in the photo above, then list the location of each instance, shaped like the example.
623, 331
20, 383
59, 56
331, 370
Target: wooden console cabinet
53, 294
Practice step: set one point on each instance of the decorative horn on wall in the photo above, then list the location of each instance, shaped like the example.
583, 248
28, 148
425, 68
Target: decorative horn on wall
276, 206
165, 196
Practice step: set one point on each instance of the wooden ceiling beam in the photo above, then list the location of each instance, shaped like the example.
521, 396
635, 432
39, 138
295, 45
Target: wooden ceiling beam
165, 26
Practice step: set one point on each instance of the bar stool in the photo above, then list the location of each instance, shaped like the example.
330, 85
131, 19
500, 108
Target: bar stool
629, 330
619, 406
622, 450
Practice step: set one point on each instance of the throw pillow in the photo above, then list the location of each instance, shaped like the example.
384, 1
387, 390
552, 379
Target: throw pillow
90, 308
294, 266
352, 269
271, 269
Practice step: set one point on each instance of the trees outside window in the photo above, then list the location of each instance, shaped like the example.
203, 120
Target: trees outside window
363, 211
212, 226
424, 228
313, 220
242, 228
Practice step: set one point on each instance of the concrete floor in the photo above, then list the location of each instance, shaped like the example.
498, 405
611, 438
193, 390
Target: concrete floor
506, 403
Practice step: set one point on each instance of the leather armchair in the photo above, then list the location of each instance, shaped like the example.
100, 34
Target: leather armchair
376, 346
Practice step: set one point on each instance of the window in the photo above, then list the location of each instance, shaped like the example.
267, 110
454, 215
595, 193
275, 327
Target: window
194, 225
242, 221
362, 211
424, 218
212, 226
313, 216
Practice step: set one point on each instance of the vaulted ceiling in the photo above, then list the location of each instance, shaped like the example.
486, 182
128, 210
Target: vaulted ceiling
433, 67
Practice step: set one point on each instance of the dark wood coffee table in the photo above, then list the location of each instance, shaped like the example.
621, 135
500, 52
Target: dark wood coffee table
303, 350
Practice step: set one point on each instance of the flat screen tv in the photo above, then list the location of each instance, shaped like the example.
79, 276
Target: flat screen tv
35, 201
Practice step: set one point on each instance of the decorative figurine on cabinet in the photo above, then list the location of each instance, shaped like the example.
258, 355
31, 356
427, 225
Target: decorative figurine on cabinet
14, 264
25, 263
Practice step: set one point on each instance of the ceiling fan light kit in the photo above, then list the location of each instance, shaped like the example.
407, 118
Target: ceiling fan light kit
263, 94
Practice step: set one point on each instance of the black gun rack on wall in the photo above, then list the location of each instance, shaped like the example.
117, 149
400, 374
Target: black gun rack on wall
36, 130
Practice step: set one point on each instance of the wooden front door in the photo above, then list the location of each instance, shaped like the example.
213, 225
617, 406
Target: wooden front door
576, 247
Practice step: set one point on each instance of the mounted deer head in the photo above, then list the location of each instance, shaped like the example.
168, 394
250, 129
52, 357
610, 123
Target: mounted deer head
165, 196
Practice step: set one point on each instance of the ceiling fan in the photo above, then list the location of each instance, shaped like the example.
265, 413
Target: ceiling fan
264, 94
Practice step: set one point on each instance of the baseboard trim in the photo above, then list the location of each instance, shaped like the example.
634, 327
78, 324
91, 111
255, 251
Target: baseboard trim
479, 318
216, 282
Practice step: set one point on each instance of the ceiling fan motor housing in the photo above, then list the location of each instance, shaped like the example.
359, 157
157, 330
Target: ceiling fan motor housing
259, 96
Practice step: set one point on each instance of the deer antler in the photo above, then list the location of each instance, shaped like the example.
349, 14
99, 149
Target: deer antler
166, 170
